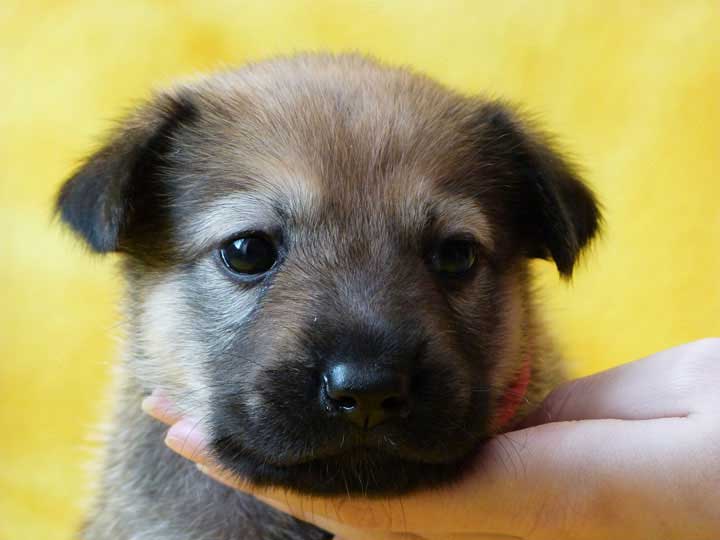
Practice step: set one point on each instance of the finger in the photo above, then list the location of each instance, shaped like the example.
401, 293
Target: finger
672, 383
474, 536
161, 408
188, 439
356, 534
343, 532
227, 478
301, 508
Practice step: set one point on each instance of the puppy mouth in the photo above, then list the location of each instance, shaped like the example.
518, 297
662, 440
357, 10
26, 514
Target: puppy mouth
361, 470
371, 444
380, 461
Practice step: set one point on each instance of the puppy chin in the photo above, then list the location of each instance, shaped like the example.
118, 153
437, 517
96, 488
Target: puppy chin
373, 463
362, 471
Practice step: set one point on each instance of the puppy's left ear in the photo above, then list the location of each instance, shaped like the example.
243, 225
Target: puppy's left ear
555, 212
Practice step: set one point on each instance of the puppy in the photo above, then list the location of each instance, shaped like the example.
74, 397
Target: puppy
326, 263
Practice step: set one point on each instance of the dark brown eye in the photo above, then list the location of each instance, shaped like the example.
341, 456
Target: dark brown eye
250, 255
454, 257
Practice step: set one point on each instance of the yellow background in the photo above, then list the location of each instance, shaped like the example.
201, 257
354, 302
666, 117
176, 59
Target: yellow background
632, 88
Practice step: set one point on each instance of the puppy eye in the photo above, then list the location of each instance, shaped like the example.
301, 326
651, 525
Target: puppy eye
454, 257
249, 255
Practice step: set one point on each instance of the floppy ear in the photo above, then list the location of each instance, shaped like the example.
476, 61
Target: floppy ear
557, 214
106, 196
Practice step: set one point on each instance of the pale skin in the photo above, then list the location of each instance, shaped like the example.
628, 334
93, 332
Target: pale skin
631, 453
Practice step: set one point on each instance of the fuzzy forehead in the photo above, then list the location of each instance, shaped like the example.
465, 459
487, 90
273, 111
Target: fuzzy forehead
347, 122
347, 138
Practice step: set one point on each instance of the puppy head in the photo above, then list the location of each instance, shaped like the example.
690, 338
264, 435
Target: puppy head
327, 263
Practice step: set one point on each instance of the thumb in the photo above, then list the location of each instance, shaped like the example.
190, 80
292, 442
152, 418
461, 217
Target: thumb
671, 383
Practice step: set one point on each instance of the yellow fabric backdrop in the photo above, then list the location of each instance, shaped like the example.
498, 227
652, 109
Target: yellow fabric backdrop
633, 88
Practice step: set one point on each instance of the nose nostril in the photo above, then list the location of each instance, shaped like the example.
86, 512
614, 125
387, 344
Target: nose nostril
366, 397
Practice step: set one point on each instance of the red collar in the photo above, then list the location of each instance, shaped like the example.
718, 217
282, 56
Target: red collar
513, 397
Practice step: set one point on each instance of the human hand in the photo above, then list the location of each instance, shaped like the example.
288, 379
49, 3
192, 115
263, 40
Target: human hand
631, 453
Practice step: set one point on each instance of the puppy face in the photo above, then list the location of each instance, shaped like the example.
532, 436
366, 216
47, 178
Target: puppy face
326, 263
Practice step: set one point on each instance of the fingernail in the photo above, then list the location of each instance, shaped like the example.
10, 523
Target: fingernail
186, 438
150, 404
156, 402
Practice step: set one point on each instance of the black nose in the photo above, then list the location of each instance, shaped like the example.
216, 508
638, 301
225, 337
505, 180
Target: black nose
366, 396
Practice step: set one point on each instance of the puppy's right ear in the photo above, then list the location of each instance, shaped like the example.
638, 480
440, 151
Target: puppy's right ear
115, 185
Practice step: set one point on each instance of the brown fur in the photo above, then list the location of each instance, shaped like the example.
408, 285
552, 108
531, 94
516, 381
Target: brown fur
356, 171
